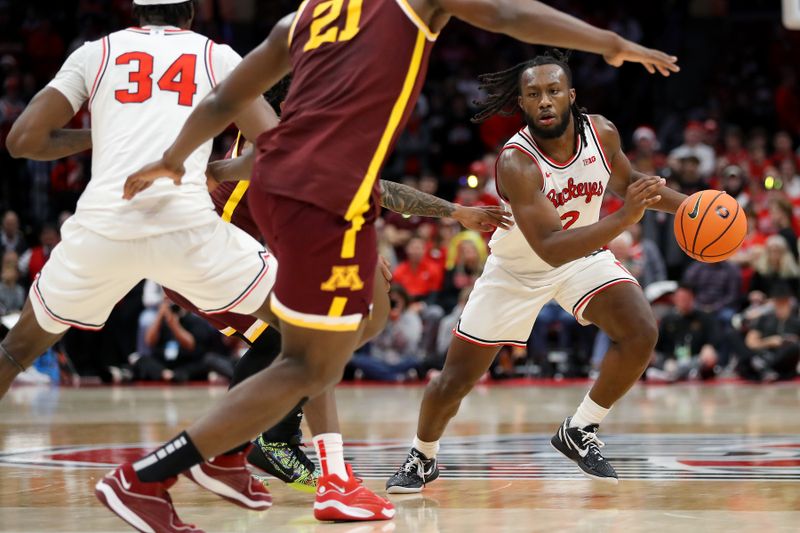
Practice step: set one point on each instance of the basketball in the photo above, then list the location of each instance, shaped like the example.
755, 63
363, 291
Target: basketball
710, 226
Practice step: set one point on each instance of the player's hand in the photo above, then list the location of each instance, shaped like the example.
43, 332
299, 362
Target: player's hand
483, 218
386, 270
144, 177
651, 59
212, 182
640, 195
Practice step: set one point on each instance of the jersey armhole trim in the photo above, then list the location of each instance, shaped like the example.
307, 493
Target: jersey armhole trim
596, 139
101, 70
417, 20
294, 22
522, 150
207, 61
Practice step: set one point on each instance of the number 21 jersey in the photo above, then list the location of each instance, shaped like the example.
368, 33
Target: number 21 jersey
141, 84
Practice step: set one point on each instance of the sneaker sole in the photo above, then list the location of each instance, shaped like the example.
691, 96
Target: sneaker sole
397, 489
608, 480
336, 511
302, 487
222, 490
108, 497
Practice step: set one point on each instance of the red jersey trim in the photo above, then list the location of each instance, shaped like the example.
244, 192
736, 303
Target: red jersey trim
210, 63
599, 144
484, 343
577, 310
551, 162
53, 316
207, 61
101, 70
250, 288
523, 150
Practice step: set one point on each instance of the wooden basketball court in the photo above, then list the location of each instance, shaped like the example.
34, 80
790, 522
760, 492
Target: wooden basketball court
690, 458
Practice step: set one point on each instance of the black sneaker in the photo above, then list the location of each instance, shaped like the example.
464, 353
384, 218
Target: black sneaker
285, 461
582, 446
415, 473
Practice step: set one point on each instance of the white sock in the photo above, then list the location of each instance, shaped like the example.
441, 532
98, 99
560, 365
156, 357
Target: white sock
330, 451
429, 449
588, 413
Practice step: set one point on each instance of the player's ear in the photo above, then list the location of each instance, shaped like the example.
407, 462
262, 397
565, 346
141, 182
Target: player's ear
572, 96
519, 102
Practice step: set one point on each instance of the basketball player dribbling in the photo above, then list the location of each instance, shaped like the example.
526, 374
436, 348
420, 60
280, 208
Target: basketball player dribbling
552, 174
344, 111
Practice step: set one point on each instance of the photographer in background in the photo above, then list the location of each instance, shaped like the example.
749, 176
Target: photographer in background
774, 341
181, 347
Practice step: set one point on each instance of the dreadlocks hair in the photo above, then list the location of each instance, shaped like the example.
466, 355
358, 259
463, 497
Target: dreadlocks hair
502, 89
166, 14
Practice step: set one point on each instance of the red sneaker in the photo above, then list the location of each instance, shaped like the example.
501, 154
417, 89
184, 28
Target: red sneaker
228, 477
145, 506
345, 501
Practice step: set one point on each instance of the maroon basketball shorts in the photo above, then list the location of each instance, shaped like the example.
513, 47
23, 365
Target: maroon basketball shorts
326, 265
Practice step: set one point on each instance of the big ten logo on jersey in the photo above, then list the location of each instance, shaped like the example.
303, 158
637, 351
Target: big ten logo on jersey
589, 160
343, 277
325, 27
178, 78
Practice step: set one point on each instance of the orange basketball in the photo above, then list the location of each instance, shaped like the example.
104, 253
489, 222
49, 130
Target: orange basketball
710, 226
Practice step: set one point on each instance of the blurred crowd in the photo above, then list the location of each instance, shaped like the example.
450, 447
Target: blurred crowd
730, 120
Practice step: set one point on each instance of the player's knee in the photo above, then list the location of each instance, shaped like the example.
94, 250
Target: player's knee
453, 384
641, 339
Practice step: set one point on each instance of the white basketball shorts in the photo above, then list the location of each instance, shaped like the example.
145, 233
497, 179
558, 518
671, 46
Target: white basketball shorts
216, 266
503, 305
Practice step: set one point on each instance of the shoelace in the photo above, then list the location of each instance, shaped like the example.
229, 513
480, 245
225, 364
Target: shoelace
590, 437
412, 462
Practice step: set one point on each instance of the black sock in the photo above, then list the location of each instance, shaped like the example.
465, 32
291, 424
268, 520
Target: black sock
286, 429
168, 461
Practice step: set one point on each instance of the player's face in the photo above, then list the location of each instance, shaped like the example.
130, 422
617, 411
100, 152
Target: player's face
545, 100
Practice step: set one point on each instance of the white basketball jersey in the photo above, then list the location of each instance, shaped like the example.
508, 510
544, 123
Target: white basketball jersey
141, 85
575, 188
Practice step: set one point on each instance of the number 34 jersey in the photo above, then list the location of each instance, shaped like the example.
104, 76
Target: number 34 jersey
357, 70
575, 188
141, 84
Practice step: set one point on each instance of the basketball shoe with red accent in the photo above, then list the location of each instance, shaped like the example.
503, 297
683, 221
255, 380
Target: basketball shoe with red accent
145, 506
228, 477
346, 501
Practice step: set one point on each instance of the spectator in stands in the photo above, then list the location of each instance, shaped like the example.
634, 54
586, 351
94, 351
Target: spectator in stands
782, 218
11, 237
67, 181
33, 260
419, 275
152, 299
693, 146
774, 341
686, 340
787, 102
464, 265
734, 151
476, 193
646, 156
775, 266
783, 149
689, 176
182, 347
394, 353
789, 174
716, 287
12, 295
653, 267
734, 182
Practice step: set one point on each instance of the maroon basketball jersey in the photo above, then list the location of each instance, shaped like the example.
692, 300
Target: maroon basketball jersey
357, 70
230, 197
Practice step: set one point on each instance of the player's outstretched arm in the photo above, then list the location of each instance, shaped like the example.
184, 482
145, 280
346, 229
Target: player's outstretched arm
233, 169
521, 183
409, 201
537, 23
39, 132
622, 174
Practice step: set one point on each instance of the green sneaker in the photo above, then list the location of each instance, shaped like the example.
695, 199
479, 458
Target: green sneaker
285, 461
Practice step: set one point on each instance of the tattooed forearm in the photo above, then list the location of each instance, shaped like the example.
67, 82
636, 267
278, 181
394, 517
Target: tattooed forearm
409, 201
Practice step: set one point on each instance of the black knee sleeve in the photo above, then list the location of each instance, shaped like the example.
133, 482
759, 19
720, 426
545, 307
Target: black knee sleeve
260, 355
